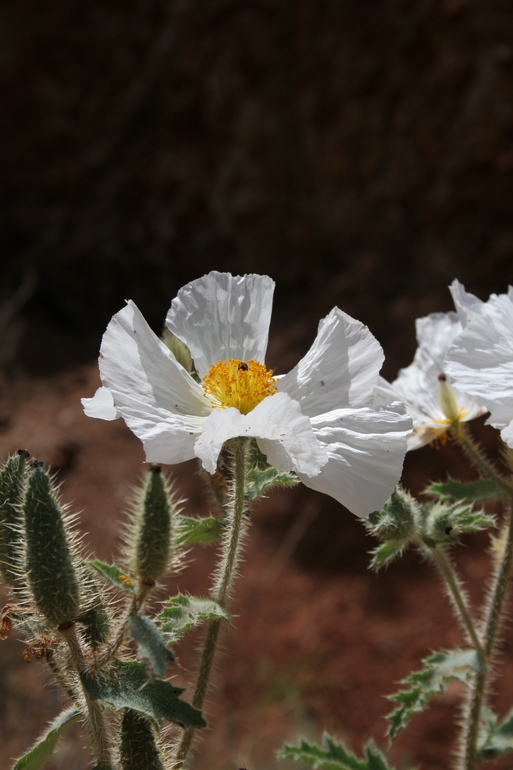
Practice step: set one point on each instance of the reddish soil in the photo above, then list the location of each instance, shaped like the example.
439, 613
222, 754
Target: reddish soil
317, 640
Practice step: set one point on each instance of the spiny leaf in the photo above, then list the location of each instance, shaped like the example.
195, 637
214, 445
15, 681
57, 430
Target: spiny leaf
384, 554
193, 531
335, 756
495, 739
443, 523
181, 613
47, 743
116, 576
468, 491
259, 481
151, 643
440, 668
127, 686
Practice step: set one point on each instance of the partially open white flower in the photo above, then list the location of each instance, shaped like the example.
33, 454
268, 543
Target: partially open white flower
425, 386
318, 420
481, 360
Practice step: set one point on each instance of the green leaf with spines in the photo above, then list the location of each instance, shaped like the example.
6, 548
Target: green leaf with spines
495, 739
384, 554
47, 743
335, 756
202, 531
259, 481
181, 613
467, 491
115, 575
440, 668
151, 643
397, 520
127, 685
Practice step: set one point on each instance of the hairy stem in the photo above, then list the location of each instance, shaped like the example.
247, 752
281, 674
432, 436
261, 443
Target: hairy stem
477, 456
221, 591
453, 584
495, 604
95, 718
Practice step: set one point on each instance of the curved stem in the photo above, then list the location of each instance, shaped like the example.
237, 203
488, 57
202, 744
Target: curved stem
453, 584
95, 718
494, 609
221, 591
478, 457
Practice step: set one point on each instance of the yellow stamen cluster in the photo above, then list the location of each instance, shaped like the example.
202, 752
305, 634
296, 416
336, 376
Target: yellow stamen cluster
242, 384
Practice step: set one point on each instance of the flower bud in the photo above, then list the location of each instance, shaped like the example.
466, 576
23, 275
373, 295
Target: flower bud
52, 580
13, 478
138, 748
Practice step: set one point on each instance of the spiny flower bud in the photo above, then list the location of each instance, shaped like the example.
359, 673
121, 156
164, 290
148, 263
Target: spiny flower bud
138, 749
397, 520
53, 583
149, 538
13, 477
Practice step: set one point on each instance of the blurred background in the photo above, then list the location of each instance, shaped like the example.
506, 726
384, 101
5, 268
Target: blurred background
360, 153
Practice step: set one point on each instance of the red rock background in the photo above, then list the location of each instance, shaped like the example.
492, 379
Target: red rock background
361, 154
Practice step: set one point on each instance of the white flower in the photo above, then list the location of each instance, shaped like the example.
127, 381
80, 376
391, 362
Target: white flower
425, 386
481, 360
318, 420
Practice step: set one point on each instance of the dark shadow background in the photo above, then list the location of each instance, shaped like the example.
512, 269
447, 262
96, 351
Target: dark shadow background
359, 152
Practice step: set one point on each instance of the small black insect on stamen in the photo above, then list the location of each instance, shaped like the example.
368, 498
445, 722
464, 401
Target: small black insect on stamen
442, 377
243, 367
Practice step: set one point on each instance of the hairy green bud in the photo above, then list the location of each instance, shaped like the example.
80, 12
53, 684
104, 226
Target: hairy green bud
138, 749
397, 520
95, 621
150, 549
52, 579
13, 478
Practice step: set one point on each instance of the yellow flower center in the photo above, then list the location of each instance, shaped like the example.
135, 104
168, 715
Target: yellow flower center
242, 384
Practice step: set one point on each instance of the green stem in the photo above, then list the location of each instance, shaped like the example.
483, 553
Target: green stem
221, 591
95, 718
453, 584
495, 606
477, 456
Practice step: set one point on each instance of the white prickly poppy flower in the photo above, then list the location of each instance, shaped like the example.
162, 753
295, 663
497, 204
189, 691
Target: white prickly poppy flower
318, 420
480, 360
426, 387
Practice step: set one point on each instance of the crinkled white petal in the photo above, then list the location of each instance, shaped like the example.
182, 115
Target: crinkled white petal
466, 304
167, 438
366, 449
101, 405
221, 316
341, 367
141, 372
284, 435
481, 358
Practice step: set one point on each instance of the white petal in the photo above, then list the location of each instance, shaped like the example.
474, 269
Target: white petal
221, 316
366, 449
284, 435
141, 372
340, 369
101, 405
167, 438
481, 359
466, 304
